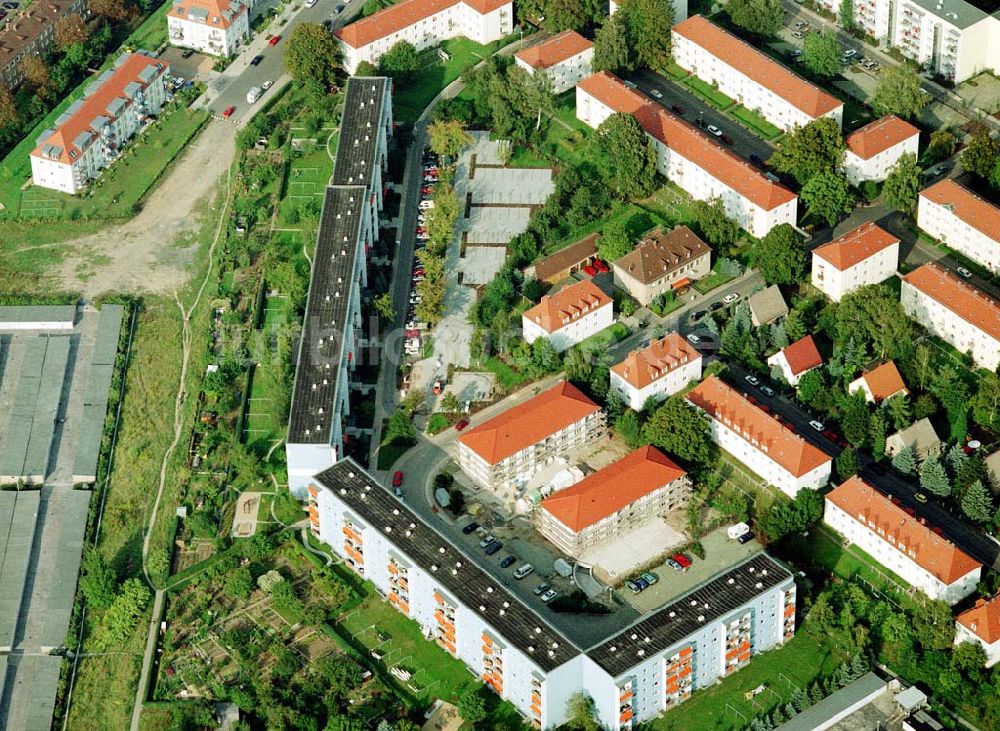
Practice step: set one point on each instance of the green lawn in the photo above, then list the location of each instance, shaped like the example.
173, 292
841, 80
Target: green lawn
724, 707
438, 423
608, 336
713, 280
709, 93
756, 123
153, 32
308, 176
264, 424
410, 99
388, 453
508, 378
675, 72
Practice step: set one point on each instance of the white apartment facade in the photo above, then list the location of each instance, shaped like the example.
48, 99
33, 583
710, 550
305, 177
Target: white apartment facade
873, 150
865, 255
91, 134
505, 452
955, 311
952, 38
961, 220
749, 76
566, 59
215, 27
330, 349
569, 316
900, 542
686, 157
981, 624
423, 23
527, 658
659, 370
778, 455
662, 261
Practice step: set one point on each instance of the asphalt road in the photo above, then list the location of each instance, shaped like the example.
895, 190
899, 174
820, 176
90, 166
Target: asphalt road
954, 528
231, 87
745, 142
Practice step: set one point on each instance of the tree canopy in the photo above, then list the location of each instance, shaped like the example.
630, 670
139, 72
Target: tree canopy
760, 17
873, 317
903, 184
448, 137
400, 62
807, 151
615, 241
981, 154
611, 49
312, 56
712, 222
647, 28
821, 53
781, 255
898, 92
677, 428
628, 159
828, 195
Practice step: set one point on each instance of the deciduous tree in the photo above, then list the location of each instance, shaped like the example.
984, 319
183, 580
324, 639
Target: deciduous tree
828, 196
808, 151
981, 154
121, 617
366, 68
110, 9
986, 402
312, 56
647, 28
471, 706
903, 184
563, 15
581, 714
611, 49
70, 30
712, 222
448, 137
628, 157
8, 109
898, 92
760, 17
239, 583
97, 580
821, 53
37, 74
780, 255
940, 146
383, 306
400, 61
615, 241
627, 426
677, 428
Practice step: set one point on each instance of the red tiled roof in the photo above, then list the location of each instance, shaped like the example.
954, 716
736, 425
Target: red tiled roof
555, 50
983, 620
880, 135
402, 15
967, 206
964, 300
884, 381
221, 13
802, 355
937, 555
568, 304
687, 141
856, 245
528, 423
758, 66
96, 105
644, 366
607, 491
782, 445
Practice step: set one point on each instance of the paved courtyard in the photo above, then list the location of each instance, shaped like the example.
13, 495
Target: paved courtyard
481, 264
614, 560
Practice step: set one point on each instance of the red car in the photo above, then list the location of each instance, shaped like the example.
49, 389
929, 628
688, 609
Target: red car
683, 560
590, 269
601, 266
728, 140
274, 40
229, 112
461, 425
427, 189
397, 478
421, 230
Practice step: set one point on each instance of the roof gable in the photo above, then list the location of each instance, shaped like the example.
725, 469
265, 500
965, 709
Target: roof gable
880, 135
555, 50
660, 358
856, 246
661, 252
983, 620
802, 355
567, 305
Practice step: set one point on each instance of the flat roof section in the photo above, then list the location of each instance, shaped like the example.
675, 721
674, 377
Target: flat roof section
321, 351
109, 327
821, 715
459, 574
359, 130
36, 315
30, 694
680, 619
17, 554
43, 425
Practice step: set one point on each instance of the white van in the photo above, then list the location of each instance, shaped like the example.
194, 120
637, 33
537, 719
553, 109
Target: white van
523, 571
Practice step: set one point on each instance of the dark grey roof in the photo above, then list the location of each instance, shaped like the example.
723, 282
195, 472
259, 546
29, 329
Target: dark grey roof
687, 615
38, 313
321, 351
868, 685
458, 574
357, 148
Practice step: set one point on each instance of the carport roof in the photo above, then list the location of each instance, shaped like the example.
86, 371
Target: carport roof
682, 618
574, 254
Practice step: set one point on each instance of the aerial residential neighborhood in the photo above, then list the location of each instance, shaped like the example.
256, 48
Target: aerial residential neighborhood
499, 365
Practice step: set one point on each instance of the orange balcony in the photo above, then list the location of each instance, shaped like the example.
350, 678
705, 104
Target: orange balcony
312, 491
626, 716
686, 652
393, 569
790, 610
438, 598
625, 696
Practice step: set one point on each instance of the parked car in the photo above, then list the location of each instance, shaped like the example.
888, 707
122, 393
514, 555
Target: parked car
487, 540
590, 270
634, 586
693, 339
755, 159
461, 424
470, 528
508, 561
920, 497
339, 9
397, 478
817, 425
731, 297
188, 53
713, 130
649, 577
549, 595
850, 53
752, 380
273, 41
541, 589
521, 571
678, 109
715, 306
601, 266
767, 390
310, 3
745, 538
682, 559
698, 314
964, 273
674, 565
493, 547
727, 139
266, 85
229, 112
327, 24
438, 387
656, 93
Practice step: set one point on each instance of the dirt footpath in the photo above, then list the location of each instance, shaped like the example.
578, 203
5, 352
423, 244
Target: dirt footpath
153, 251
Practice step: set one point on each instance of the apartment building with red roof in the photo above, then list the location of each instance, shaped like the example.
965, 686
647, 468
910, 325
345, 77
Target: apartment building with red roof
875, 148
618, 498
569, 316
901, 542
660, 369
960, 219
688, 157
981, 624
215, 27
880, 383
865, 255
92, 133
750, 76
30, 32
795, 360
506, 451
423, 23
768, 447
955, 311
567, 58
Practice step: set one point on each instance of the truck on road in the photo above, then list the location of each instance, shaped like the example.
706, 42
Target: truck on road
254, 94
